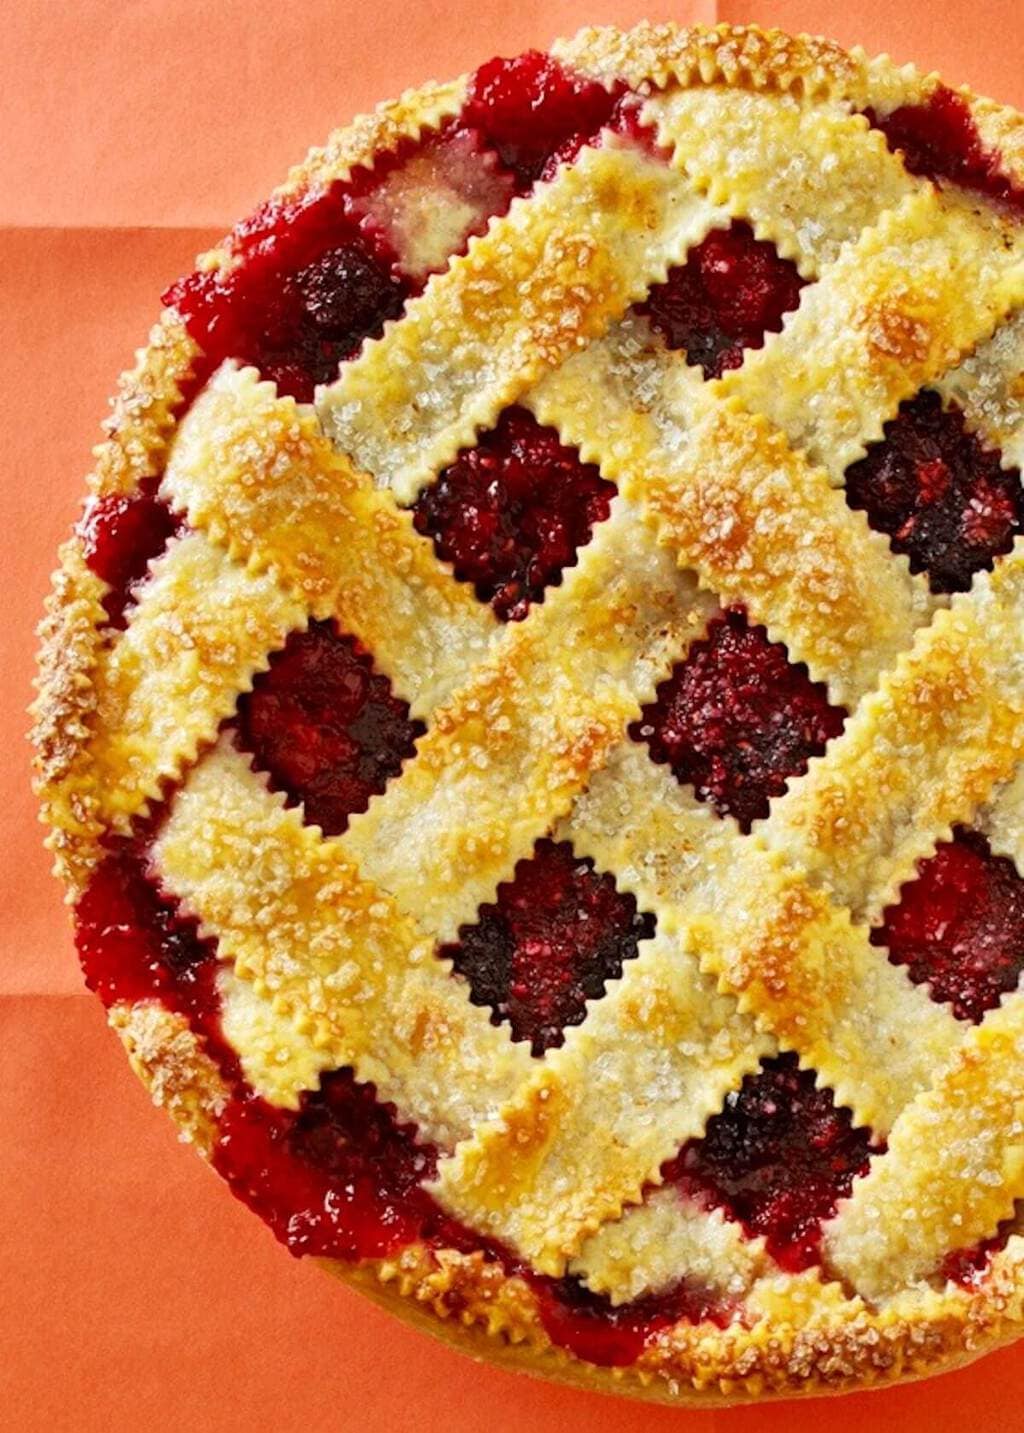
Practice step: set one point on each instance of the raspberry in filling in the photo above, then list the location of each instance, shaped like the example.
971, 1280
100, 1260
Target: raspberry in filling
512, 512
778, 1158
555, 935
968, 1267
732, 290
530, 107
939, 140
736, 719
121, 535
614, 1336
959, 925
325, 726
310, 283
939, 495
340, 1178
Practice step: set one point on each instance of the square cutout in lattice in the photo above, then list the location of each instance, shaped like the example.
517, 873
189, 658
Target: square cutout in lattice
325, 726
778, 1157
550, 942
511, 513
737, 719
732, 290
938, 493
958, 926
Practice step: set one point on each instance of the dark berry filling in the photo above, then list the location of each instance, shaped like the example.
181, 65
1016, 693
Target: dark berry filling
511, 513
134, 943
736, 719
939, 495
325, 726
341, 1178
732, 290
778, 1158
939, 140
959, 925
311, 284
121, 535
555, 936
529, 108
614, 1336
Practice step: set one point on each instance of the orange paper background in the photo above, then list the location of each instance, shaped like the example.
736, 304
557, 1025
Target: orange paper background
134, 1293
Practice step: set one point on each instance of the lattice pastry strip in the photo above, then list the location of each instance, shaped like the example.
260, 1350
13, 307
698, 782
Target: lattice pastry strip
595, 648
651, 1063
204, 628
332, 954
542, 282
943, 731
899, 307
810, 177
989, 386
954, 1167
644, 1251
736, 504
254, 471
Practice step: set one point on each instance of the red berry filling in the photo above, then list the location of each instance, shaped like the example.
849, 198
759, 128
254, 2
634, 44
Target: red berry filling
325, 726
959, 925
778, 1158
135, 944
121, 535
555, 936
939, 140
939, 495
341, 1178
968, 1267
512, 512
311, 284
591, 1327
736, 719
530, 107
732, 290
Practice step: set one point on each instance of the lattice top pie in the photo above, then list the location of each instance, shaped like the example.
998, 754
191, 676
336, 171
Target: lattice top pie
532, 716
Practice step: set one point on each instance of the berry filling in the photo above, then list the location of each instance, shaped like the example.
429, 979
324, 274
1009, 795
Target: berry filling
614, 1336
939, 140
555, 936
968, 1267
959, 925
339, 1178
736, 719
732, 290
310, 285
940, 496
135, 944
325, 726
121, 535
778, 1158
529, 109
512, 512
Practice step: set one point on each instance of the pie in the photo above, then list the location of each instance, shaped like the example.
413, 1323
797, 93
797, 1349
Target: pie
531, 718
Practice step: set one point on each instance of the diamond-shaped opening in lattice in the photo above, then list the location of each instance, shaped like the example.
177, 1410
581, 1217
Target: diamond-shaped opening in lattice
550, 942
340, 1177
737, 719
511, 513
939, 139
732, 290
958, 926
777, 1158
938, 493
121, 534
325, 726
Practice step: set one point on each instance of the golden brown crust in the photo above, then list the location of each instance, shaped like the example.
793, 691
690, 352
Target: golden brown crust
797, 1335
